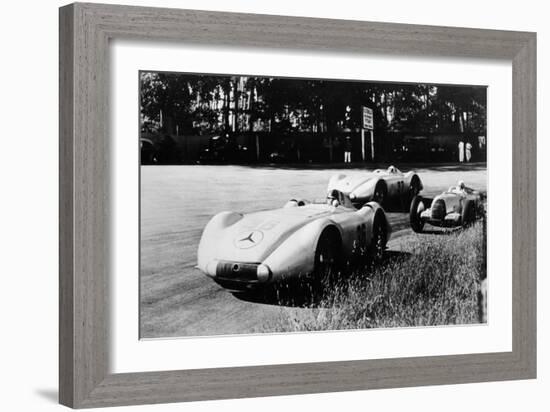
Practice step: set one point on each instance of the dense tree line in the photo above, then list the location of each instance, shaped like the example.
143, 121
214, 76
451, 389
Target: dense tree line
188, 103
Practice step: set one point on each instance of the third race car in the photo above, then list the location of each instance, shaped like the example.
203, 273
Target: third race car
458, 206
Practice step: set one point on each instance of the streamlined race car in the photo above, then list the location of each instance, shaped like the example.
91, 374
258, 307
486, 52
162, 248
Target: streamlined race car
458, 206
243, 251
389, 187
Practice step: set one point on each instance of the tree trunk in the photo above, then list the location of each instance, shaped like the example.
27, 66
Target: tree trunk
251, 112
226, 103
236, 98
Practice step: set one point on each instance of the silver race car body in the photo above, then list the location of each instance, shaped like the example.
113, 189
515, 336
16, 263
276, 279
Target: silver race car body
458, 206
389, 187
246, 250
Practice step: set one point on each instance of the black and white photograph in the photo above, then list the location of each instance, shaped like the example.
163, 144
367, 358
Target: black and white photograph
277, 205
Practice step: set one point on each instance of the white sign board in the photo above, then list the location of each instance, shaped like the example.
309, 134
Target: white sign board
368, 120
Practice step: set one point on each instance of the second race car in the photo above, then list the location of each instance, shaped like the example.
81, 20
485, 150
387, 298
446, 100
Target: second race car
389, 187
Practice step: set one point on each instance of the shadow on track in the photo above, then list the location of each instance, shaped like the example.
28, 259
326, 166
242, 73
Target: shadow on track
301, 293
441, 231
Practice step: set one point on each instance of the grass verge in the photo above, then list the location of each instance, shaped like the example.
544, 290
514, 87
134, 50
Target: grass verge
434, 280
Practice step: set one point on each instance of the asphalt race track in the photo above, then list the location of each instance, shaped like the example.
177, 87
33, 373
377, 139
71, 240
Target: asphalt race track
177, 202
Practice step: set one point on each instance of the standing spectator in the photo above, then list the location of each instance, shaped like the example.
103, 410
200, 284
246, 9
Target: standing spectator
461, 151
468, 151
347, 150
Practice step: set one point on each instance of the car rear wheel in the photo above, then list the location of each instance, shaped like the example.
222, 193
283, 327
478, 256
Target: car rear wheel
380, 193
417, 207
468, 213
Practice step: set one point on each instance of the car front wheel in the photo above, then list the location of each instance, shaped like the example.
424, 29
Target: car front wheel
326, 266
417, 207
414, 189
380, 192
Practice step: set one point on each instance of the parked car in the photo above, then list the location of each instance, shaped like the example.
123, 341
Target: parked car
286, 152
224, 148
148, 152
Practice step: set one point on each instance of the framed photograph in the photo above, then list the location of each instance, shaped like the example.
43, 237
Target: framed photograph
257, 205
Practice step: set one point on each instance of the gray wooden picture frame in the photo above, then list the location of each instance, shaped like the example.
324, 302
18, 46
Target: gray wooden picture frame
85, 31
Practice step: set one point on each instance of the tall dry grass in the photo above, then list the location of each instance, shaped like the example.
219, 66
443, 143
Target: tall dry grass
435, 282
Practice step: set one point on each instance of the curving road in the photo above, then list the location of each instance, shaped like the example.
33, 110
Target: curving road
177, 202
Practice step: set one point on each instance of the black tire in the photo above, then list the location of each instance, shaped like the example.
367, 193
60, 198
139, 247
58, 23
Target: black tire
380, 193
480, 212
414, 188
468, 213
414, 214
326, 265
377, 247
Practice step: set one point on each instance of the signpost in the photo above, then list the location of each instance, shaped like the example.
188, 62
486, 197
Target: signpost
368, 124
